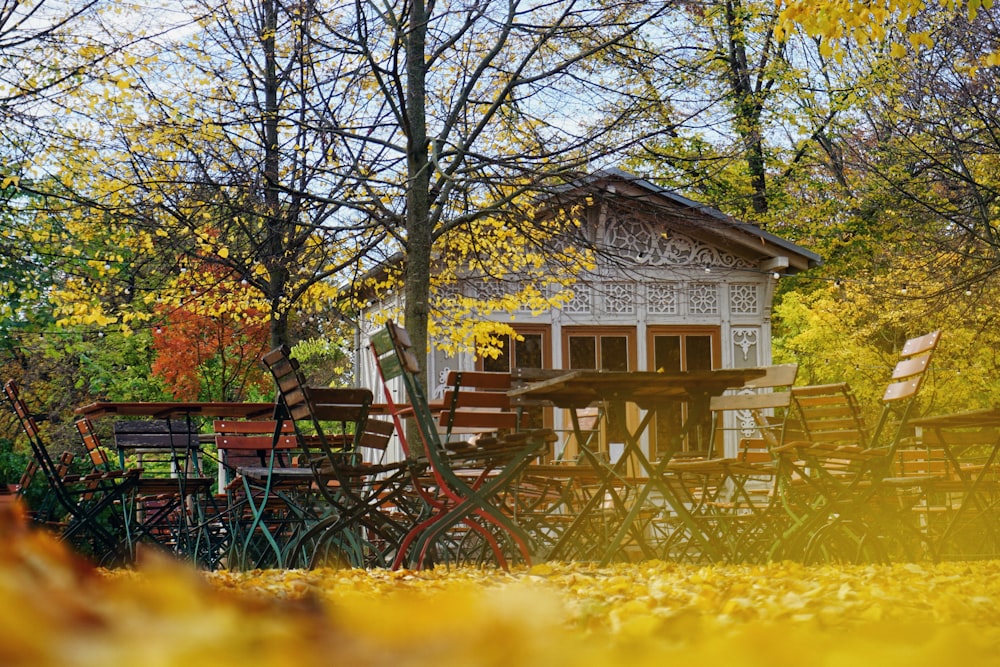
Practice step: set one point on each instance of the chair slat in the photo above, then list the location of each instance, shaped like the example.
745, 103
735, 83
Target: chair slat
919, 344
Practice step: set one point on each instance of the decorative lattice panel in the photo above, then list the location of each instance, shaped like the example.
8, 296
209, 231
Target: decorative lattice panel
744, 299
661, 298
643, 242
703, 299
582, 301
619, 298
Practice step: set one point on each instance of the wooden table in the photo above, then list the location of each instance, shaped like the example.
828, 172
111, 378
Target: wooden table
166, 409
193, 503
966, 419
187, 410
647, 389
650, 391
977, 512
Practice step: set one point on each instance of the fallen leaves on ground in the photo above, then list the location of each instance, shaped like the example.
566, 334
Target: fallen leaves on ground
60, 611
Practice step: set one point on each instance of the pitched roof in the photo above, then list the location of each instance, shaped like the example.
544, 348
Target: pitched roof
710, 223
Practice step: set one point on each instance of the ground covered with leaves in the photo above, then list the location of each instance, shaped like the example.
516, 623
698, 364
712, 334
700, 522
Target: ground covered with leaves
58, 610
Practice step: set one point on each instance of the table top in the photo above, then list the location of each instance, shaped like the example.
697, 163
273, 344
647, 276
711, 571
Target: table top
165, 409
966, 419
580, 388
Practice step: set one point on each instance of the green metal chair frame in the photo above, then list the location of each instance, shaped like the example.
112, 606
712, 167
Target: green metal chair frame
456, 502
90, 510
368, 510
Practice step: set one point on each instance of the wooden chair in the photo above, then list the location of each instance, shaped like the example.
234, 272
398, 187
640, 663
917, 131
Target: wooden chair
754, 415
169, 510
165, 448
258, 457
828, 415
88, 510
943, 492
245, 443
731, 493
829, 478
366, 497
468, 521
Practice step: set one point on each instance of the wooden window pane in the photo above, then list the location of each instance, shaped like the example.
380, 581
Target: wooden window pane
698, 354
582, 352
614, 353
502, 363
667, 354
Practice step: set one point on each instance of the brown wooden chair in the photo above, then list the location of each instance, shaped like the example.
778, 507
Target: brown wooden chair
829, 478
943, 491
753, 417
732, 494
257, 457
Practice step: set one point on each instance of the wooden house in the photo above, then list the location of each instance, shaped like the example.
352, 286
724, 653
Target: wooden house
678, 286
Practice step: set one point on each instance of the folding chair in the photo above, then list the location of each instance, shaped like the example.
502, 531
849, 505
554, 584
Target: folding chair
368, 503
753, 417
168, 511
731, 494
468, 522
88, 510
943, 494
256, 458
829, 480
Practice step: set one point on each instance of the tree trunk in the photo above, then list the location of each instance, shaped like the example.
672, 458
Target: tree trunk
275, 236
416, 279
747, 108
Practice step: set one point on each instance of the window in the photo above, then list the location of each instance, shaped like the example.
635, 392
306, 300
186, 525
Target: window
601, 348
533, 351
608, 348
673, 350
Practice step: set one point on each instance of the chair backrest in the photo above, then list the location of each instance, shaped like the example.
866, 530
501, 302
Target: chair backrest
289, 381
899, 397
249, 443
909, 371
92, 443
917, 457
755, 413
54, 471
375, 435
253, 435
477, 402
829, 414
163, 447
394, 358
336, 416
30, 428
27, 477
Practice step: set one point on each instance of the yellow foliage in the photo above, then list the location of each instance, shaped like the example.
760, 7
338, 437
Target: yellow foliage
833, 21
510, 268
60, 611
897, 50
